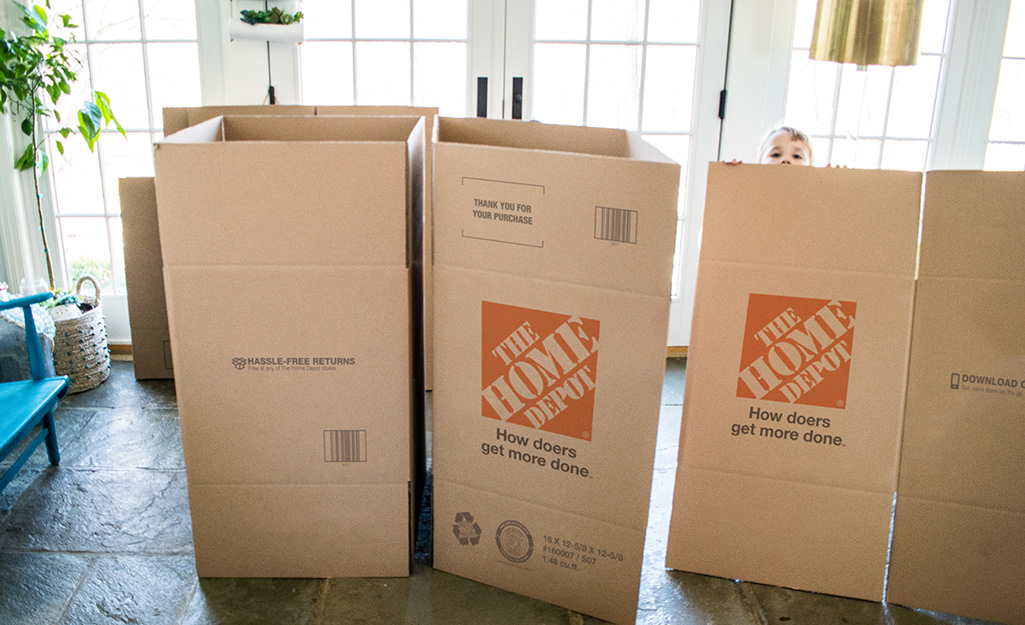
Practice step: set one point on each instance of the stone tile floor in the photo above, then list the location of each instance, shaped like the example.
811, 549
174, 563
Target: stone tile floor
106, 539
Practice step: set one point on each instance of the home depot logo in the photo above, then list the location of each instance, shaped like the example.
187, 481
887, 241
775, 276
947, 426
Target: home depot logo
538, 369
797, 350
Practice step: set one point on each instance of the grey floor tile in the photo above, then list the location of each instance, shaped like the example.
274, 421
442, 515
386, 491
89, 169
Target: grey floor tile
122, 390
678, 598
35, 587
145, 438
153, 590
900, 615
123, 511
672, 382
437, 598
22, 482
782, 605
69, 423
255, 602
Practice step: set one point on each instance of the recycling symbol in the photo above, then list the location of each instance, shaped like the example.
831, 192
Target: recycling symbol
466, 530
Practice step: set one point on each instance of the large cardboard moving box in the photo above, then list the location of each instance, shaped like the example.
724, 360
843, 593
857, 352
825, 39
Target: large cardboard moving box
792, 413
552, 257
144, 274
959, 530
290, 253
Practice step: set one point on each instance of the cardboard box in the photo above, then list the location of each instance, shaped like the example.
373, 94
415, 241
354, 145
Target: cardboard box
144, 273
553, 254
429, 114
791, 417
959, 529
180, 118
176, 119
290, 258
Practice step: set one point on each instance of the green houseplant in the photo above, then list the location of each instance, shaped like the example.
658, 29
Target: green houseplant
38, 69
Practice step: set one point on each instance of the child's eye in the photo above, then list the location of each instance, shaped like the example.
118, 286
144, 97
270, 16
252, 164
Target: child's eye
797, 157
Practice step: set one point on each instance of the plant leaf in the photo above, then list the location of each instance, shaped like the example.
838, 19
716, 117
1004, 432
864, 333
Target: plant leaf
26, 126
27, 160
60, 147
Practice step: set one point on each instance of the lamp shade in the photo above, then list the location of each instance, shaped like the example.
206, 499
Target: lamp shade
867, 32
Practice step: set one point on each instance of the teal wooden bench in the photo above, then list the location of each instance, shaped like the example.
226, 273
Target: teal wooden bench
25, 404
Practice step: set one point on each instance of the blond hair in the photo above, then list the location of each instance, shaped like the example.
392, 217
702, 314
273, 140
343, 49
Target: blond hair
794, 133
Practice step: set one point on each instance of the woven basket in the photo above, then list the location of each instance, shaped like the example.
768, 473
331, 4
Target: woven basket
80, 347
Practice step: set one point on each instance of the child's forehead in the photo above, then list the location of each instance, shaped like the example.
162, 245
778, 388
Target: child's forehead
785, 135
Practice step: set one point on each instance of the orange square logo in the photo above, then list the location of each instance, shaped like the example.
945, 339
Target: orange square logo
797, 350
538, 369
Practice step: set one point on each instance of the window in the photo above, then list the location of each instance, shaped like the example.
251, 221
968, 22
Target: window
620, 64
878, 117
1006, 148
385, 52
143, 54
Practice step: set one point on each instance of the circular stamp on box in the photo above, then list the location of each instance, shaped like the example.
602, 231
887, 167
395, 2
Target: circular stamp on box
466, 529
514, 541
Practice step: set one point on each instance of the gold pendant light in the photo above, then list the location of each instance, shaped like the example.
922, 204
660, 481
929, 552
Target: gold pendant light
867, 32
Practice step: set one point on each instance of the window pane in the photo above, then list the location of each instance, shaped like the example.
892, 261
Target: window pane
913, 98
76, 177
857, 153
118, 245
80, 89
382, 19
907, 155
560, 20
559, 83
1008, 121
440, 77
440, 19
805, 23
820, 148
1005, 157
170, 19
861, 109
117, 71
617, 20
326, 19
73, 9
613, 95
112, 20
934, 26
124, 157
174, 80
810, 95
382, 73
1014, 43
673, 21
326, 73
669, 87
86, 251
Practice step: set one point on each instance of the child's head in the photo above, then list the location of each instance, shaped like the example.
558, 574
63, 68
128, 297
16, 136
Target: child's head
785, 146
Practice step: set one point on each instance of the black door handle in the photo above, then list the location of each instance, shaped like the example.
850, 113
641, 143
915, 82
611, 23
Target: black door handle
517, 98
482, 96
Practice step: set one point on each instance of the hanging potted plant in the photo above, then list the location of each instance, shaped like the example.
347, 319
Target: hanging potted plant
271, 24
38, 69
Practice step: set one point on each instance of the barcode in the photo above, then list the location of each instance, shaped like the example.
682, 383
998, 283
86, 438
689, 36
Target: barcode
345, 445
615, 224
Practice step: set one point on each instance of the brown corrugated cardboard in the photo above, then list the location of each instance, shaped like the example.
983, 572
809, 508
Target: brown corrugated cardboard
791, 417
290, 260
959, 529
180, 118
144, 274
549, 242
429, 114
176, 119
